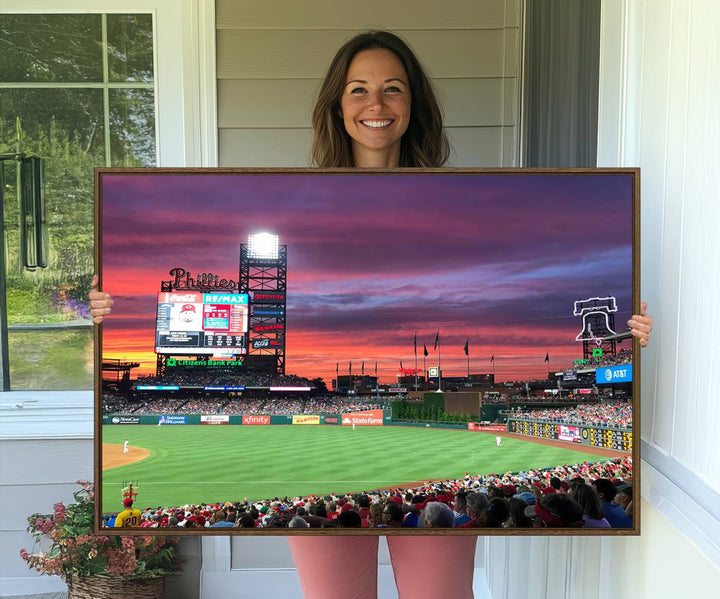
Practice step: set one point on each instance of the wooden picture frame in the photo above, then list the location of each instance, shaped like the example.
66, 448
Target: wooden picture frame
512, 286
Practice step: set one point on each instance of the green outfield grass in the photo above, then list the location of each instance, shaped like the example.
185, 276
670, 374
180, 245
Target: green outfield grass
194, 464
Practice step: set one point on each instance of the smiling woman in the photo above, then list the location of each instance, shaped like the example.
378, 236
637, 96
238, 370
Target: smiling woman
375, 107
384, 78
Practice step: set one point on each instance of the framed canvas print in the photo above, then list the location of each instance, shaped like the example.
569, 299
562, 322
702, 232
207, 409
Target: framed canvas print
404, 351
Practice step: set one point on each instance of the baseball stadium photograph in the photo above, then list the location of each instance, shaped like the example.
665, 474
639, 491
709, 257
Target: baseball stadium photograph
375, 350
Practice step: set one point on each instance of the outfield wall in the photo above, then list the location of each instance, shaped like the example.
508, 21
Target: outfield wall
462, 426
595, 436
369, 417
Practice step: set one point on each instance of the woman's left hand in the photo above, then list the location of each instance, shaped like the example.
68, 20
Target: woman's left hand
641, 325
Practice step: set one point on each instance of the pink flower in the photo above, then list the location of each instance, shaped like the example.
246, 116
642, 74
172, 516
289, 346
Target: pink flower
24, 555
59, 512
128, 543
43, 526
121, 562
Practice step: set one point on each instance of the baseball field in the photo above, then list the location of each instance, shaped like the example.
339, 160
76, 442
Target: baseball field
175, 465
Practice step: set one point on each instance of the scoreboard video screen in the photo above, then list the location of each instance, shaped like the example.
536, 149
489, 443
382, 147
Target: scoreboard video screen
619, 439
193, 322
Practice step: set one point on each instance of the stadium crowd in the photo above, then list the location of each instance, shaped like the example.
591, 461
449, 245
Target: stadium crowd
615, 414
114, 404
219, 378
591, 495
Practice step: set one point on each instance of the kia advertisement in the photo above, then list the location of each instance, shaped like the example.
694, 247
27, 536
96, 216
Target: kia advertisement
267, 343
256, 419
367, 418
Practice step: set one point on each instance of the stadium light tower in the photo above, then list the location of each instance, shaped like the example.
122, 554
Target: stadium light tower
263, 246
263, 276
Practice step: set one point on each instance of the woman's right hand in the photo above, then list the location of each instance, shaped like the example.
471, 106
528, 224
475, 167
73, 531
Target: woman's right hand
100, 303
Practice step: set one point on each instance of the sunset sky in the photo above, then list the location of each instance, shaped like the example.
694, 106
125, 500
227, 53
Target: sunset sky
497, 259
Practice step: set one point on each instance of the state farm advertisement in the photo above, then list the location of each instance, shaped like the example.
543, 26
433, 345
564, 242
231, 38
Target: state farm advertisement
490, 428
214, 419
368, 418
306, 419
256, 420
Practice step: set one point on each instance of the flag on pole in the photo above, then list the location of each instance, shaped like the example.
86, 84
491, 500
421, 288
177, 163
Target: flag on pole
350, 368
363, 368
465, 349
415, 344
493, 358
425, 351
437, 338
547, 357
401, 365
337, 368
375, 368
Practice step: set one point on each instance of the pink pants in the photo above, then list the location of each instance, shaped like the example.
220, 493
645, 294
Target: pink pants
346, 567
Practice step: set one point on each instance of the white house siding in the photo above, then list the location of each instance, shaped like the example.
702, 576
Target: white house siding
271, 58
659, 84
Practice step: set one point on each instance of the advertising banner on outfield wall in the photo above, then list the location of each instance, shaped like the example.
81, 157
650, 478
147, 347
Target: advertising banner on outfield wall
214, 419
172, 419
125, 420
306, 419
331, 420
477, 426
256, 419
367, 418
569, 433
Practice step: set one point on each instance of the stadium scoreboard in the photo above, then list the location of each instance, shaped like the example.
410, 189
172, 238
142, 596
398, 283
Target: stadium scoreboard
201, 323
596, 436
608, 438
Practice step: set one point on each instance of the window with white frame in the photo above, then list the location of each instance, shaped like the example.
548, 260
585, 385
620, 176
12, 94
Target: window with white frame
76, 91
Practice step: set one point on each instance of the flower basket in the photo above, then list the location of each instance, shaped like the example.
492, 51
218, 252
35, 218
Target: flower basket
116, 587
98, 566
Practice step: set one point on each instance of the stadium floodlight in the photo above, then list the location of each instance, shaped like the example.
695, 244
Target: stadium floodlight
264, 246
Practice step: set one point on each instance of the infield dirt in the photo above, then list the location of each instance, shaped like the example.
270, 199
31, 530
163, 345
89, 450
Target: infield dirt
113, 456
